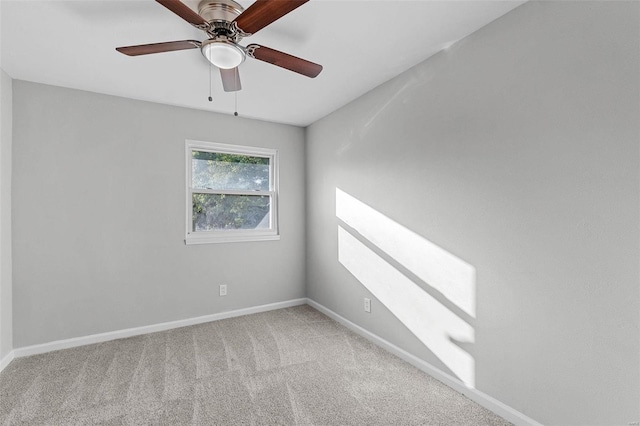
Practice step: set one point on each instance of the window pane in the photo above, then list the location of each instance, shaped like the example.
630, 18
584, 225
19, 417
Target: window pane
214, 170
218, 211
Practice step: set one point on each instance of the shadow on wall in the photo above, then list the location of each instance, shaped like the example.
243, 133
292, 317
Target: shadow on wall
431, 291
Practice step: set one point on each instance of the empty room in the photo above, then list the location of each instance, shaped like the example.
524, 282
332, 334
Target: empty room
324, 212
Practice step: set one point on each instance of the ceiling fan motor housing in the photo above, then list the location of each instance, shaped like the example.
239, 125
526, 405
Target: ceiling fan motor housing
220, 15
219, 10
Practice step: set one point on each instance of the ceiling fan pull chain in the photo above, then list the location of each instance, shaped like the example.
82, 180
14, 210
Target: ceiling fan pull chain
210, 78
236, 85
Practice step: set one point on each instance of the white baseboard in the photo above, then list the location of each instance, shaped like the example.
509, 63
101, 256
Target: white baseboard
481, 398
129, 332
6, 360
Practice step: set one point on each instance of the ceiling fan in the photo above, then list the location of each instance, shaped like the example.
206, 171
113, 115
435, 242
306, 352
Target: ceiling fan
226, 23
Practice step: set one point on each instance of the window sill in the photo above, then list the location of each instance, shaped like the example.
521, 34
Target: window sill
221, 238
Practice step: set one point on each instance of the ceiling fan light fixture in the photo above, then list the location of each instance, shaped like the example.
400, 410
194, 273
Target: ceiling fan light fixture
223, 54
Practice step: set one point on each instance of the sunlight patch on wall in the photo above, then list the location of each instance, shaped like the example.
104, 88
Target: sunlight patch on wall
433, 323
441, 270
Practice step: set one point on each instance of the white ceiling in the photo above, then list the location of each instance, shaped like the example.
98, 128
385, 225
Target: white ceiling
360, 43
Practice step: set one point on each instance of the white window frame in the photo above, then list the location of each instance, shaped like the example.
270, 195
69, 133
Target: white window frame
232, 235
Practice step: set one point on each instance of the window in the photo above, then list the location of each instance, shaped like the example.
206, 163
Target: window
232, 193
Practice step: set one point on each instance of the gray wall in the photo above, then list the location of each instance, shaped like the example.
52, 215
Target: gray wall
516, 151
99, 216
6, 312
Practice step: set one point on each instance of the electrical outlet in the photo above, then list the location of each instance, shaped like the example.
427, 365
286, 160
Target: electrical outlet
223, 289
367, 304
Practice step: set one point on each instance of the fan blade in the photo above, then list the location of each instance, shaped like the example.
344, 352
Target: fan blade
230, 79
263, 12
284, 60
185, 12
169, 46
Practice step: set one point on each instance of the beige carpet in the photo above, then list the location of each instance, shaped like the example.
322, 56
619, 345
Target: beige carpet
286, 367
